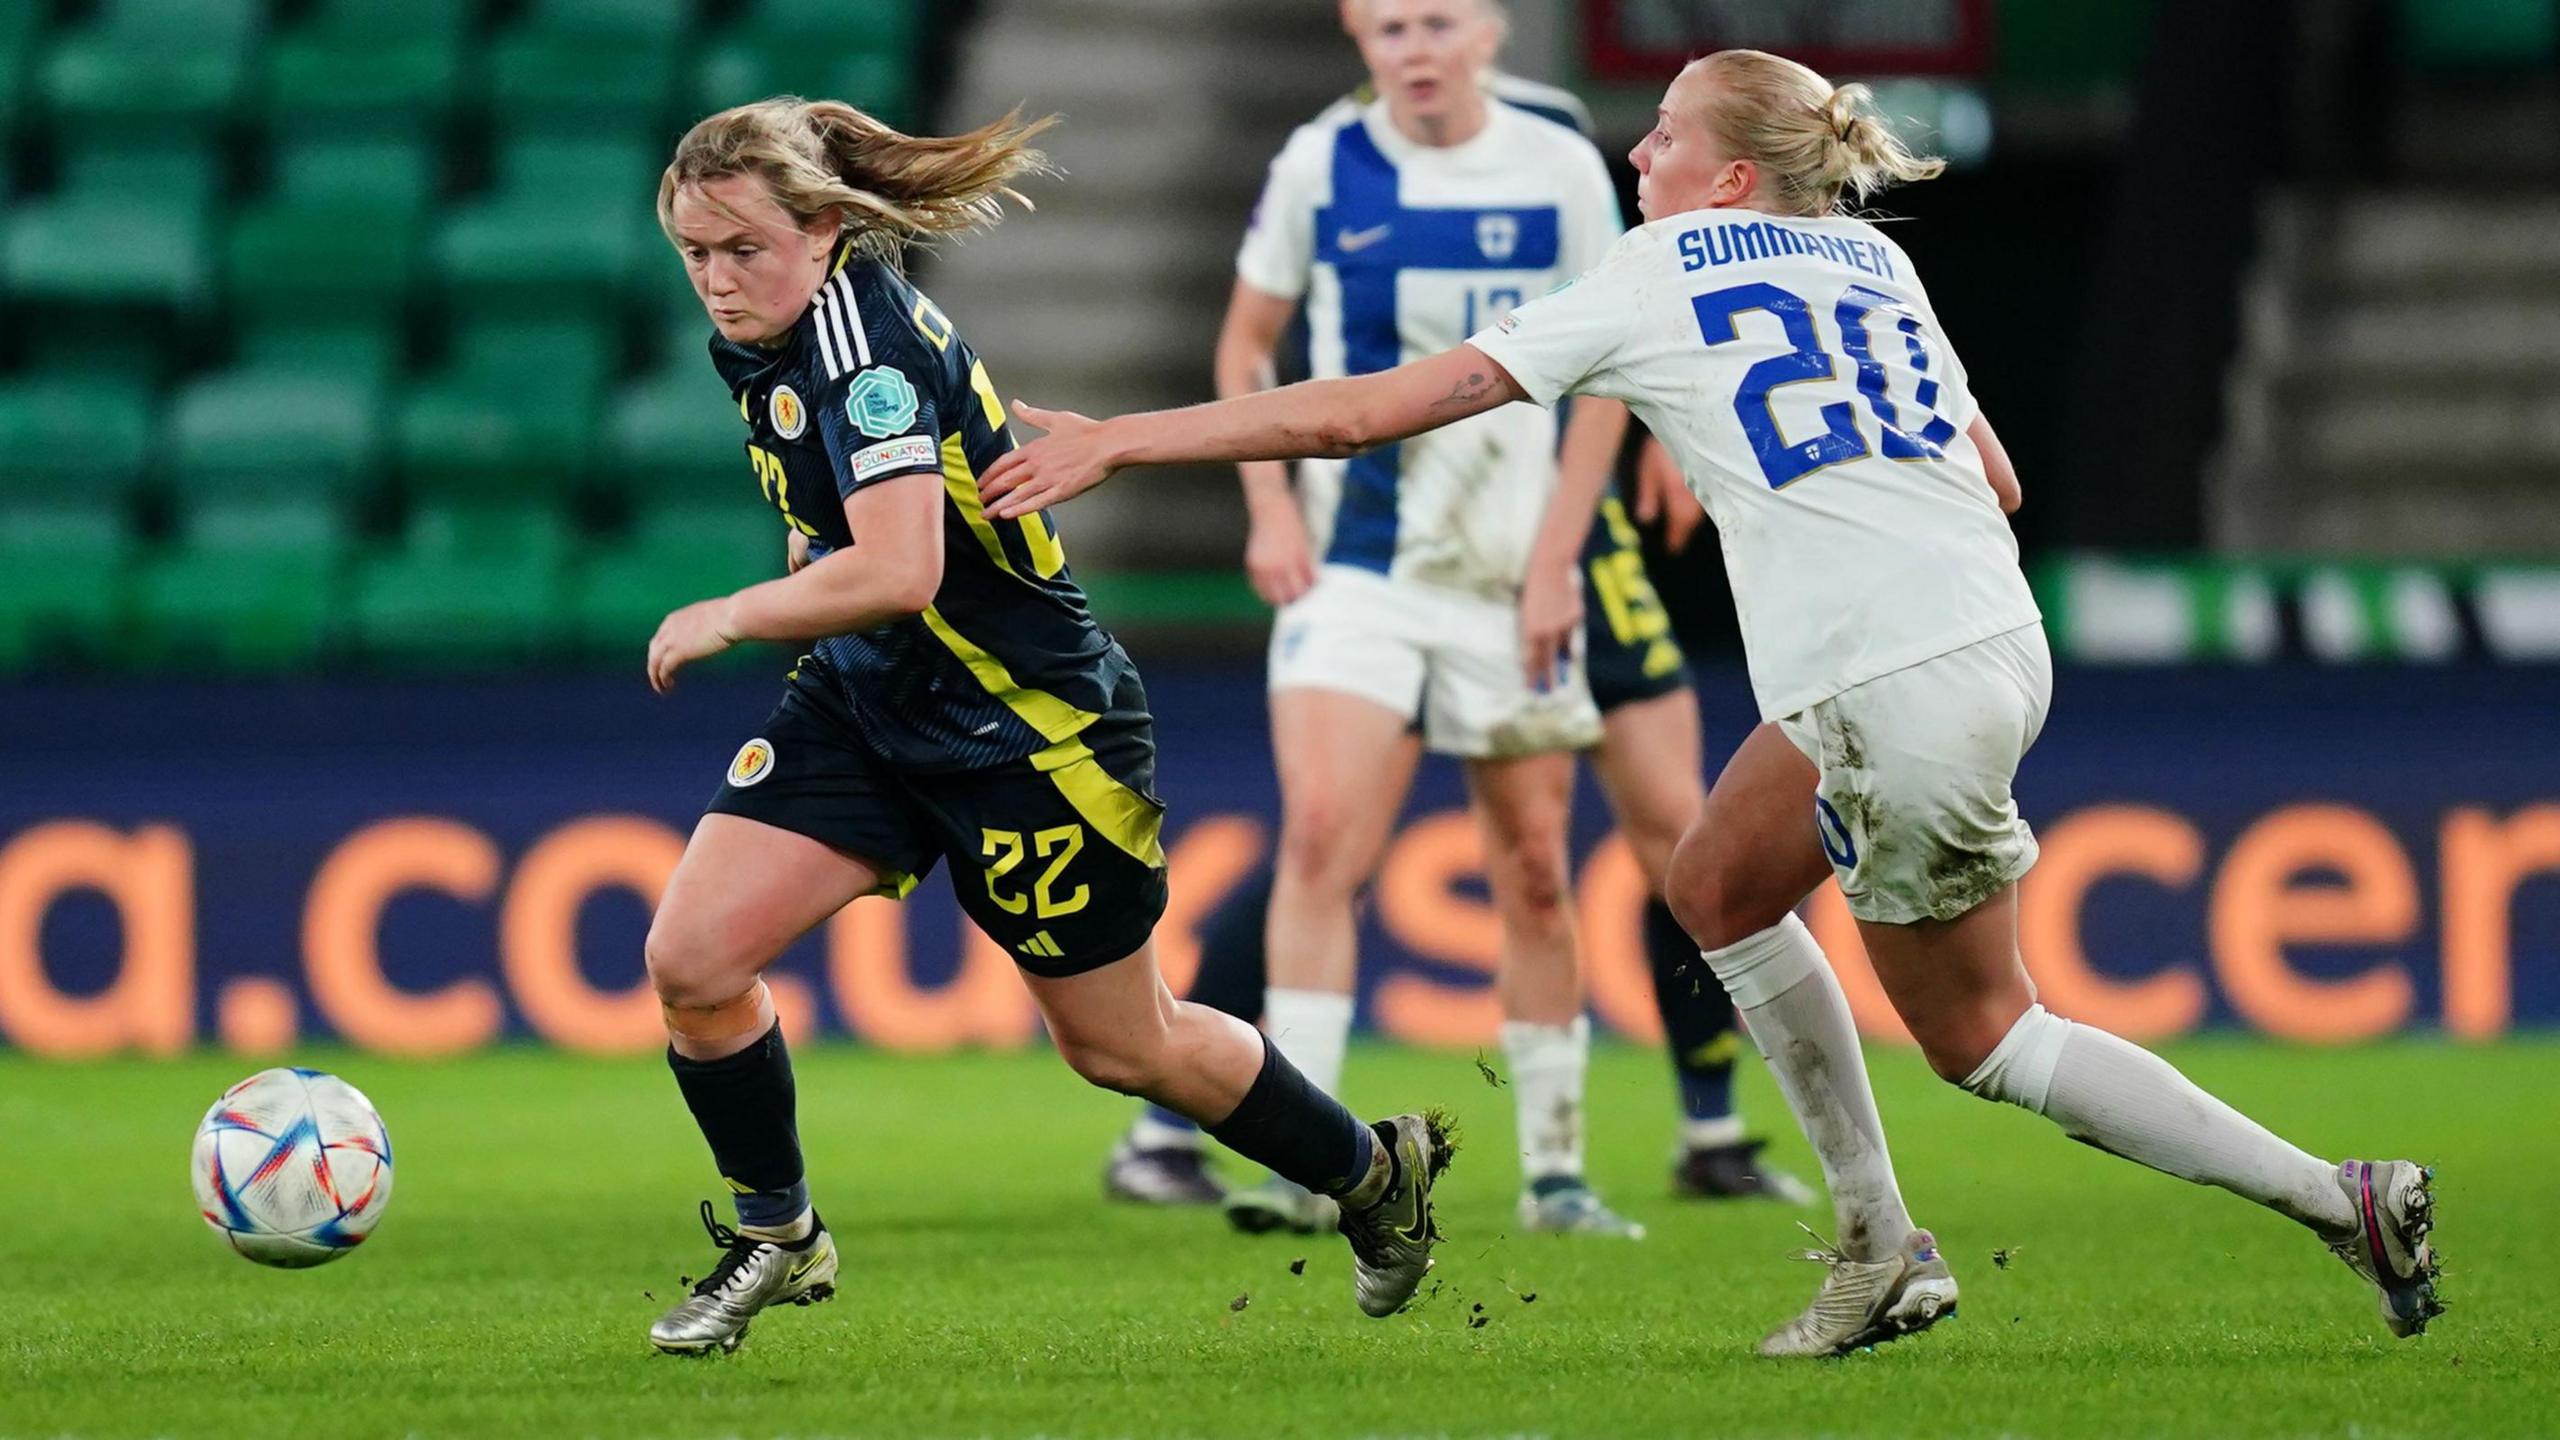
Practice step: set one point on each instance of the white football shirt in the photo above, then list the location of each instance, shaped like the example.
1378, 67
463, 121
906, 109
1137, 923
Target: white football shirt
1795, 369
1402, 250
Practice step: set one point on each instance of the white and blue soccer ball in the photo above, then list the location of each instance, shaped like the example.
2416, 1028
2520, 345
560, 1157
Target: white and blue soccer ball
293, 1167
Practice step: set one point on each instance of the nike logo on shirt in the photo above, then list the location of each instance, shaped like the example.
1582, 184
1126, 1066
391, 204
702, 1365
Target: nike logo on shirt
1354, 241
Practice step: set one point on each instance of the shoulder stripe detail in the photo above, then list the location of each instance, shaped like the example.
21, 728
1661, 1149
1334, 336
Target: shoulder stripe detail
851, 342
831, 322
826, 338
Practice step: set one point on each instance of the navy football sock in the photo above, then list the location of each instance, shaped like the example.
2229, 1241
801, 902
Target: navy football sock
1297, 1131
747, 1107
1697, 1016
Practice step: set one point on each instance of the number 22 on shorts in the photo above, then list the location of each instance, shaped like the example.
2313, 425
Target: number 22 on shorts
1005, 852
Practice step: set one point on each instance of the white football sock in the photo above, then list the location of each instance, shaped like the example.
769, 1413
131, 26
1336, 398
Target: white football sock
1711, 1134
1149, 1133
1312, 1028
1547, 1065
1797, 1016
2121, 1098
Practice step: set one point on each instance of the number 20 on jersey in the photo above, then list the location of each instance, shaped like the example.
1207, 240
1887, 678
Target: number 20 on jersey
1782, 461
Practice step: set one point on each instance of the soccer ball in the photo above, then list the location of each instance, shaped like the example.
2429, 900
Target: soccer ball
292, 1167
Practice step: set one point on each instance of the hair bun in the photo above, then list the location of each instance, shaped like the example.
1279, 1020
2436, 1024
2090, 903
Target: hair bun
1821, 144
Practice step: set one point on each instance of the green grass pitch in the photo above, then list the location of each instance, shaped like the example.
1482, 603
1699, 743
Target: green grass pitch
545, 1209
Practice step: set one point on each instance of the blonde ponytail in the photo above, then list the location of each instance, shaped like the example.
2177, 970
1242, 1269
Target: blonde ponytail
1816, 144
887, 188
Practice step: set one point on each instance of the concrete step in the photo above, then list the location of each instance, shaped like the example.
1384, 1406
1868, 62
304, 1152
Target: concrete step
2444, 438
2384, 516
2499, 129
2462, 334
2479, 242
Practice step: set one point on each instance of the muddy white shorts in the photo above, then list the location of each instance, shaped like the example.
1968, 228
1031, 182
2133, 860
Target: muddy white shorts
1914, 805
1446, 658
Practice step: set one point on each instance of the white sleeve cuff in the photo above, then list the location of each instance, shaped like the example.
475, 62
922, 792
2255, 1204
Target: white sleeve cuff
1498, 346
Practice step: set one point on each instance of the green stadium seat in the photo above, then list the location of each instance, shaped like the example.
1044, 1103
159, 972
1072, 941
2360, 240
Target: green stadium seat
358, 352
2504, 34
18, 26
82, 252
468, 583
83, 439
170, 174
318, 272
275, 430
371, 67
674, 556
880, 27
652, 22
516, 405
599, 168
581, 62
861, 51
389, 179
62, 579
145, 64
529, 254
677, 323
674, 433
129, 229
561, 235
752, 67
549, 78
285, 263
259, 584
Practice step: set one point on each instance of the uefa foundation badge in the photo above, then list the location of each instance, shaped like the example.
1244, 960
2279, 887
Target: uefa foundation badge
790, 417
754, 762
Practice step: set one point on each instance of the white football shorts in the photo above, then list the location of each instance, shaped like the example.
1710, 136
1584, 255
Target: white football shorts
1914, 805
1449, 659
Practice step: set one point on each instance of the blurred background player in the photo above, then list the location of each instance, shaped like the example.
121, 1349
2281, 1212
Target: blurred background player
1402, 224
1638, 680
958, 701
1912, 684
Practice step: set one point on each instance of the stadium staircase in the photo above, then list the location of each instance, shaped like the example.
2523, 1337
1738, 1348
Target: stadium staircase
2397, 393
1109, 298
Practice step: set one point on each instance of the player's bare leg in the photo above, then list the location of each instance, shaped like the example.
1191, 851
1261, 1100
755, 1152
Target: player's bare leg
1344, 763
1649, 765
1158, 1159
1522, 807
742, 893
1735, 882
1121, 1028
1961, 987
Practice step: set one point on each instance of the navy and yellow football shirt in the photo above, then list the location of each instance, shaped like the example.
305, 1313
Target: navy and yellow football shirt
873, 384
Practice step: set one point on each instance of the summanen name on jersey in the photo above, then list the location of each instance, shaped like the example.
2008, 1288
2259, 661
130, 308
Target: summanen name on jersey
1760, 239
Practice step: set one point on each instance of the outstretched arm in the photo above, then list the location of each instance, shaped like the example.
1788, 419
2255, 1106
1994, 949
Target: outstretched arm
1315, 417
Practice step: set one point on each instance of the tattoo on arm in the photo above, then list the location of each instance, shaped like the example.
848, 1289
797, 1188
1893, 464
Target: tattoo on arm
1465, 392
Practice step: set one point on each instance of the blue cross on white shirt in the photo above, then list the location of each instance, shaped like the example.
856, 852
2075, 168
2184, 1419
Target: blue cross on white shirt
1369, 237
